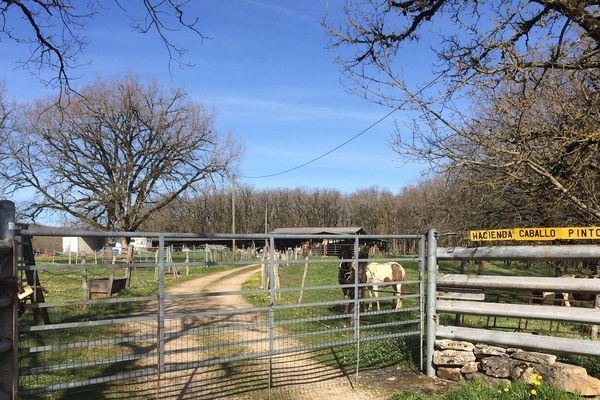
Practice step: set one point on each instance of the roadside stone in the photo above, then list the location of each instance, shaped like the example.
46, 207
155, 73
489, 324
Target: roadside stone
470, 367
497, 367
449, 374
452, 357
446, 344
534, 357
482, 350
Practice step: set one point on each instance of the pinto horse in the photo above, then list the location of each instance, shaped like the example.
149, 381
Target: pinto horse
378, 273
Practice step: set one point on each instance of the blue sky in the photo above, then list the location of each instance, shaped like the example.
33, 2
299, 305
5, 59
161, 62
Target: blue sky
267, 72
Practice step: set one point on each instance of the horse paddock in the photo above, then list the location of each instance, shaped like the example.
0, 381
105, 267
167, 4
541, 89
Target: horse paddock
255, 329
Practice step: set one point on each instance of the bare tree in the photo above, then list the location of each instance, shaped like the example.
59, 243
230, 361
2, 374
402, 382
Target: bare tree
487, 41
116, 155
53, 30
514, 103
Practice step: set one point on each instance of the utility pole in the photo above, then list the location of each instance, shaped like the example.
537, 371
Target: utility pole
266, 224
233, 210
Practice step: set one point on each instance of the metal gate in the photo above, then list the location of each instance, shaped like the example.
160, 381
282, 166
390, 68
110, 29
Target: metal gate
213, 316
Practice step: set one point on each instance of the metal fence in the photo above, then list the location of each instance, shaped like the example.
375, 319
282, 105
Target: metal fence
223, 329
511, 286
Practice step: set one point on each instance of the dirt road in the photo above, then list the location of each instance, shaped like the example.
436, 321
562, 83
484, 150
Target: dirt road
294, 376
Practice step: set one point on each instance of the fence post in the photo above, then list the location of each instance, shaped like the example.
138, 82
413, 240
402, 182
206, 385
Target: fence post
422, 259
431, 289
272, 301
161, 311
8, 305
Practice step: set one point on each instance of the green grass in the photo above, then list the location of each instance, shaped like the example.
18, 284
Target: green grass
65, 285
478, 390
380, 352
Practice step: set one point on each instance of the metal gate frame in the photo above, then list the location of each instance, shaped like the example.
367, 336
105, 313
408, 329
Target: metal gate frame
425, 331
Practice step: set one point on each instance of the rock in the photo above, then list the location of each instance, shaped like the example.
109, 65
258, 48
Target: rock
511, 350
485, 350
470, 367
489, 379
525, 371
452, 357
445, 344
449, 374
534, 357
562, 368
497, 367
575, 383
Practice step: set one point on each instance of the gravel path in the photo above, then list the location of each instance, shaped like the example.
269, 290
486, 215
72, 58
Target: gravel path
295, 376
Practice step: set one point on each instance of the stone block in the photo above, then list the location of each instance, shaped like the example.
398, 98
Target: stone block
470, 367
534, 357
497, 367
452, 357
491, 380
482, 350
446, 344
449, 374
584, 385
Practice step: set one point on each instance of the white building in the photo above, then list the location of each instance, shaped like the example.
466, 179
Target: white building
76, 244
141, 243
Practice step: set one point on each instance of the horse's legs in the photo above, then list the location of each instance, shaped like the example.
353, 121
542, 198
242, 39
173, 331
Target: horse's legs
398, 293
375, 294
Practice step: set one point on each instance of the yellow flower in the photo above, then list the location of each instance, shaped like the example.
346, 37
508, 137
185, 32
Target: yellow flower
507, 389
536, 379
533, 392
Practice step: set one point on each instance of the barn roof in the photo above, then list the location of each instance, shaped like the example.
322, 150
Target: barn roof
351, 230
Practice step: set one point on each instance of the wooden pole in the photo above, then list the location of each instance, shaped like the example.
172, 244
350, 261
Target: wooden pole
187, 262
303, 280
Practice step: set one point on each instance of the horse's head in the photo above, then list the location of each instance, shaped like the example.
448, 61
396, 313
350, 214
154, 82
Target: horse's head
346, 274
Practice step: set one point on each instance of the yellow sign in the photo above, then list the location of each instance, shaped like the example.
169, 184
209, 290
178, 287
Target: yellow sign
536, 234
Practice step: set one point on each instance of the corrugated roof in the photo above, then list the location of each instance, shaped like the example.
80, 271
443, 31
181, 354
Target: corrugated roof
351, 230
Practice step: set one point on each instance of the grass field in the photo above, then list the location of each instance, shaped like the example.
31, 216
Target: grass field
382, 352
65, 285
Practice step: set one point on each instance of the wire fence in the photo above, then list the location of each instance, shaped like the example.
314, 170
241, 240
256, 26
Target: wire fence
249, 325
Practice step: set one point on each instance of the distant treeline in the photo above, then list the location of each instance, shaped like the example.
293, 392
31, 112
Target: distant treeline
450, 205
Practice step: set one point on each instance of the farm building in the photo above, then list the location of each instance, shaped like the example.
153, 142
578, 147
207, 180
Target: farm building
325, 246
82, 244
141, 243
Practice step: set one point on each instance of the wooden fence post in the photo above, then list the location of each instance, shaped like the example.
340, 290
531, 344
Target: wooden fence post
8, 304
303, 280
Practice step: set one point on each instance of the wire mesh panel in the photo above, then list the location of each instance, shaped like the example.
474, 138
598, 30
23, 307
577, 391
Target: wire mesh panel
203, 319
100, 343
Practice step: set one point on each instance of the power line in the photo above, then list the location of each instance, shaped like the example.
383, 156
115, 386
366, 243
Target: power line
327, 152
350, 139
